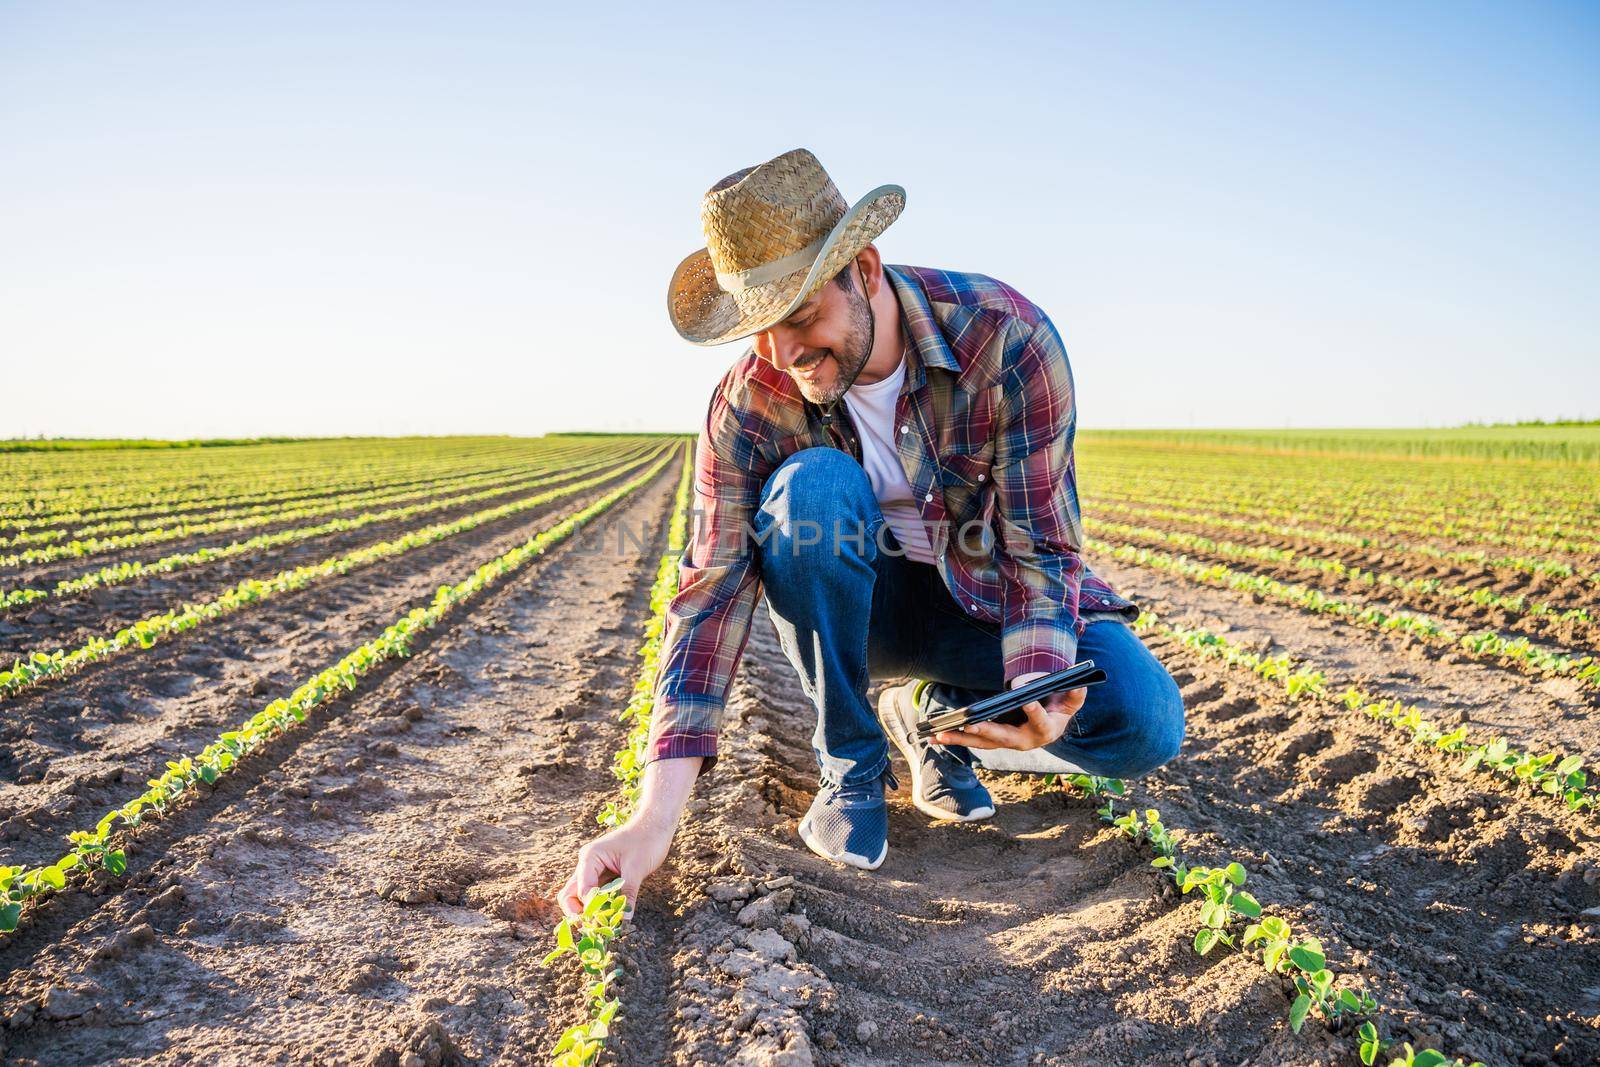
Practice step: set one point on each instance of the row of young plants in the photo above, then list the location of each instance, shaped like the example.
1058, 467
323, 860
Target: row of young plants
588, 936
1232, 917
1407, 549
241, 493
99, 849
1555, 775
1479, 644
1514, 604
94, 482
1548, 498
40, 667
271, 511
133, 570
1264, 498
1373, 518
90, 546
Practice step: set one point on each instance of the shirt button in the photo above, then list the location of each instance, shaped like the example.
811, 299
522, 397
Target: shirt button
928, 498
905, 429
974, 607
981, 477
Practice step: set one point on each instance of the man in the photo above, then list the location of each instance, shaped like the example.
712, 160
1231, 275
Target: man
891, 462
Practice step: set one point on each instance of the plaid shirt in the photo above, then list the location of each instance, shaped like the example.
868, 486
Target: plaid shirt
987, 373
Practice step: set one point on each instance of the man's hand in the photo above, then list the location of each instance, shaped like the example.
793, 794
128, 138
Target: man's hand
1046, 722
636, 848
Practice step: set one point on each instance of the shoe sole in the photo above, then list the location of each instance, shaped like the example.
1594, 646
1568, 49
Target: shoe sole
915, 764
845, 857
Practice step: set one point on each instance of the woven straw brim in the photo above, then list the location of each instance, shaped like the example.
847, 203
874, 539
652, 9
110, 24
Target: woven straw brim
705, 314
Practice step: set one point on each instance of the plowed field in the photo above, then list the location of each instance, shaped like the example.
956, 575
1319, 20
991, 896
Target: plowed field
373, 884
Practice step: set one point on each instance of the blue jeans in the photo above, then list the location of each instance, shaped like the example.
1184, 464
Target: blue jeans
848, 608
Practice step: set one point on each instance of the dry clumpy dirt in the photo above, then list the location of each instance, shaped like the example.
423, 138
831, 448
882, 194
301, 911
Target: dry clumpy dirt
377, 888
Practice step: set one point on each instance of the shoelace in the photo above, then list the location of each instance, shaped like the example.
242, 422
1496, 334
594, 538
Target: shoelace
859, 794
952, 768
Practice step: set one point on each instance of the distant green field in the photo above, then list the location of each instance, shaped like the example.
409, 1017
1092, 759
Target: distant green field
94, 444
1572, 443
98, 444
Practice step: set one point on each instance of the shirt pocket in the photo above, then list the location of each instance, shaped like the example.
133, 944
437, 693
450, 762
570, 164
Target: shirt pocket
967, 481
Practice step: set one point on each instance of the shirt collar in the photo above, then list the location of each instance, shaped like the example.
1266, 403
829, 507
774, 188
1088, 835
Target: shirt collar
918, 326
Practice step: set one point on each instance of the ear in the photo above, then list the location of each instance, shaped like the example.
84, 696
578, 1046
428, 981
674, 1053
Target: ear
871, 264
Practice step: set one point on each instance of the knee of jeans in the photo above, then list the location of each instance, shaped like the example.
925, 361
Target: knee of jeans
1154, 723
815, 497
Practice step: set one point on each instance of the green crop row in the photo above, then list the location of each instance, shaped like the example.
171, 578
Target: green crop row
1262, 496
1476, 558
95, 545
147, 632
96, 849
1473, 488
1546, 534
1480, 644
1493, 499
1553, 774
588, 939
1517, 604
122, 573
629, 761
588, 936
237, 495
1231, 916
297, 507
32, 488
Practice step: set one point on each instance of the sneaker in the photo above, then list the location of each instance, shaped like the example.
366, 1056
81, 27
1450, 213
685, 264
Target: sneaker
942, 785
850, 823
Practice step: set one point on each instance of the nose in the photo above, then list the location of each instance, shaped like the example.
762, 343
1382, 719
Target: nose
779, 349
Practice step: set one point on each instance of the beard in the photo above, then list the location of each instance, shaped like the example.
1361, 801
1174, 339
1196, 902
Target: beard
848, 359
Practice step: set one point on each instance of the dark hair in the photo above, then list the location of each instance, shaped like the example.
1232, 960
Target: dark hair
846, 278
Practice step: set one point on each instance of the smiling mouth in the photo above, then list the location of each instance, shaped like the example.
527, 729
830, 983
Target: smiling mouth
809, 370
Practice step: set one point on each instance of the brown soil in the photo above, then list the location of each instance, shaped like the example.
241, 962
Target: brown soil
377, 888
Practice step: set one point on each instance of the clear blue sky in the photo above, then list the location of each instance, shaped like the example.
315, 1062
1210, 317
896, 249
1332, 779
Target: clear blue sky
229, 218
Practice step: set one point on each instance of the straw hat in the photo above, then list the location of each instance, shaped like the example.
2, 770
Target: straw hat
775, 234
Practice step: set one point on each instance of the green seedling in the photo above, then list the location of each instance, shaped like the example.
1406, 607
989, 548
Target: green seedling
18, 884
1371, 1045
1223, 900
1273, 933
590, 934
588, 937
1427, 1058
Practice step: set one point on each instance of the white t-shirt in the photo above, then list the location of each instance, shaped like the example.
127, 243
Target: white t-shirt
872, 409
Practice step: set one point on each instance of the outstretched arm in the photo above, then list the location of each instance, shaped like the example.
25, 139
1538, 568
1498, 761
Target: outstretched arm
636, 848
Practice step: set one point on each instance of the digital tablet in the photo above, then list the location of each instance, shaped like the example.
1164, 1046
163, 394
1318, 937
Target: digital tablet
1007, 707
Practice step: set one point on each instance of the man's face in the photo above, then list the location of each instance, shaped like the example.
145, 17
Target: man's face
824, 343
